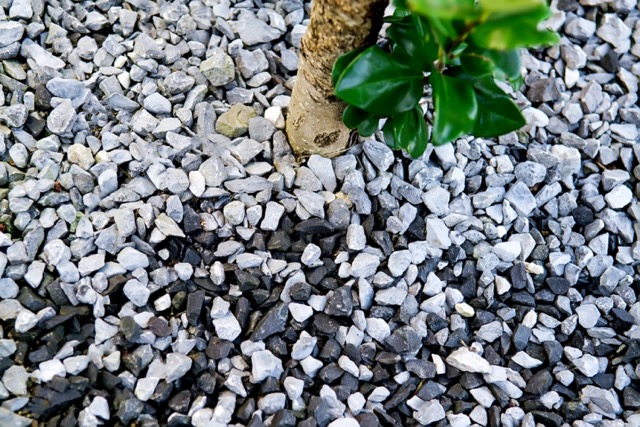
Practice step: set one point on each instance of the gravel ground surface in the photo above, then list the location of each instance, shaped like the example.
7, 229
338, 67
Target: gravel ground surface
164, 260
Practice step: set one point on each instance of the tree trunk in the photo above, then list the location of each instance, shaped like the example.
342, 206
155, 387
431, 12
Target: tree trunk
314, 122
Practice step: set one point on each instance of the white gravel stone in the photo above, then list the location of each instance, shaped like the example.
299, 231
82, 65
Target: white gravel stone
356, 239
588, 315
378, 329
508, 251
468, 361
136, 292
76, 364
177, 366
437, 233
227, 327
51, 368
264, 364
131, 259
25, 321
619, 197
364, 265
300, 312
526, 361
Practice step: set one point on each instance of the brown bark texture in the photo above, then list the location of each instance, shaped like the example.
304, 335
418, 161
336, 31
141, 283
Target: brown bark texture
314, 121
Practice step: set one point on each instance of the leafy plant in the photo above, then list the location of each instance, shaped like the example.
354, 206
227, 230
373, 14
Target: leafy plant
460, 48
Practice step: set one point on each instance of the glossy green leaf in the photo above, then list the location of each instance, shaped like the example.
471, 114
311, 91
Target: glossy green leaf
353, 116
496, 116
369, 125
507, 63
443, 30
380, 83
456, 108
509, 6
507, 32
477, 65
387, 132
343, 62
449, 9
411, 39
409, 131
497, 113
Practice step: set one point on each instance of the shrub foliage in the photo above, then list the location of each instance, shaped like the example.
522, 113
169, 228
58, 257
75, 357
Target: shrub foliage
460, 48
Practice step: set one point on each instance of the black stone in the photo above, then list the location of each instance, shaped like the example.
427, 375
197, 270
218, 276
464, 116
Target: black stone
540, 252
159, 327
284, 418
554, 352
129, 409
340, 302
422, 368
279, 241
574, 410
430, 390
246, 410
404, 340
300, 291
130, 329
523, 298
195, 300
190, 220
610, 61
518, 276
325, 324
457, 392
548, 419
558, 285
582, 215
315, 226
470, 380
218, 349
331, 350
539, 383
272, 323
30, 299
435, 322
631, 397
383, 241
330, 373
621, 319
400, 396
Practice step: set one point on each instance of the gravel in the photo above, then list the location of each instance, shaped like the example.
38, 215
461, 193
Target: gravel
165, 260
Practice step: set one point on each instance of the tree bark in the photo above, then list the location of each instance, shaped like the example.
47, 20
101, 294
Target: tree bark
314, 121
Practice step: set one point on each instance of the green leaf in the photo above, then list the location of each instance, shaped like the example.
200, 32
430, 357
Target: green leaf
456, 108
449, 9
509, 6
368, 125
353, 116
497, 113
409, 131
507, 63
505, 32
411, 39
443, 30
387, 132
380, 83
477, 65
343, 62
496, 116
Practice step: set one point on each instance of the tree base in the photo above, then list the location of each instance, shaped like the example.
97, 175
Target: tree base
314, 122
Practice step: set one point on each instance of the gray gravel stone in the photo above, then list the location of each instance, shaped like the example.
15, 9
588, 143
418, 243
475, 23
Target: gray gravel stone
218, 68
521, 198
